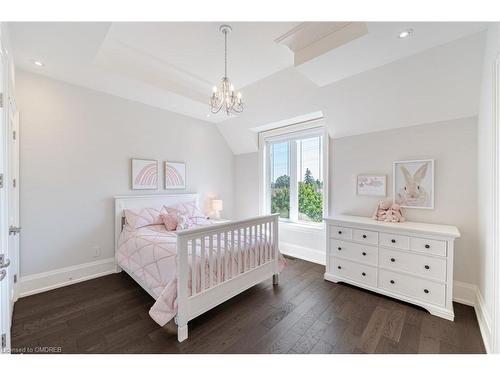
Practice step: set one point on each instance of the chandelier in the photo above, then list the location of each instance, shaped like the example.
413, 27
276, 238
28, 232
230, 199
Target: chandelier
224, 98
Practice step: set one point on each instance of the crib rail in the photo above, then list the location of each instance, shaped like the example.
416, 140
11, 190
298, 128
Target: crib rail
214, 254
217, 258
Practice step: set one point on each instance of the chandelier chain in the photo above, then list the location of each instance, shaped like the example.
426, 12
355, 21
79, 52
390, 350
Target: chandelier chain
225, 53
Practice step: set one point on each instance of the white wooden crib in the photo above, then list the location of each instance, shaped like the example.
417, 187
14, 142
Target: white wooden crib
261, 232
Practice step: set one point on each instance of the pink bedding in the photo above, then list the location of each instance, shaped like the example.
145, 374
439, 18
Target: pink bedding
149, 254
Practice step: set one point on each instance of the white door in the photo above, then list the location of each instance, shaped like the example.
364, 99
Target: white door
5, 277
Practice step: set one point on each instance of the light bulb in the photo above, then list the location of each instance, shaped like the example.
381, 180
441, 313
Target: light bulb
214, 89
405, 33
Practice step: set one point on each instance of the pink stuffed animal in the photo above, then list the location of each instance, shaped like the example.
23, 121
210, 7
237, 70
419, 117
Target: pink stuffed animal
381, 212
394, 214
388, 212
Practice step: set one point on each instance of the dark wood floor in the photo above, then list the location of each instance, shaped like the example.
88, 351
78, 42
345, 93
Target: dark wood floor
304, 314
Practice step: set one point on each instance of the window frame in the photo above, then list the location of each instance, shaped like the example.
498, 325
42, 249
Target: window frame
289, 133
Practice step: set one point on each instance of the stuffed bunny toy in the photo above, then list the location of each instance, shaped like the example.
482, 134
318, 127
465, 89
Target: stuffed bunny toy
381, 211
388, 212
413, 193
394, 214
182, 222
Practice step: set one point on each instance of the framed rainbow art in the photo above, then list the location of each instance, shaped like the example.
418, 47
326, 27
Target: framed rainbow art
175, 175
144, 174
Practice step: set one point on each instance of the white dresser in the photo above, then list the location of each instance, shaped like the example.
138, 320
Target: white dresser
409, 261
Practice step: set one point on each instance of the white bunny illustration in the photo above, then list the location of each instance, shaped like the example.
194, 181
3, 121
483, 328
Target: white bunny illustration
413, 193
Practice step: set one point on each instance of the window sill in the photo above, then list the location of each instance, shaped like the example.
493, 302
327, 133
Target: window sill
317, 229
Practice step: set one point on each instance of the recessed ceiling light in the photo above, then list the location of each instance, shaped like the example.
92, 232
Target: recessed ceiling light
37, 62
405, 33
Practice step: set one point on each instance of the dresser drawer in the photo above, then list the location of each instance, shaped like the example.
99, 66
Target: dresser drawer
365, 236
417, 264
428, 246
354, 271
340, 232
413, 287
354, 251
394, 240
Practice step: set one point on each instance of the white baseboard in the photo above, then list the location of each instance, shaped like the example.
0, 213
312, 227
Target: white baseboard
301, 252
464, 293
484, 320
42, 282
469, 294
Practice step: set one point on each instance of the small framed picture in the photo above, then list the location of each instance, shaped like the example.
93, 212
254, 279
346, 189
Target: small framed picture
414, 183
373, 185
144, 174
175, 175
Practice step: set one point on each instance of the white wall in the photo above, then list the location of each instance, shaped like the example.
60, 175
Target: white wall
439, 84
246, 183
76, 146
453, 145
485, 176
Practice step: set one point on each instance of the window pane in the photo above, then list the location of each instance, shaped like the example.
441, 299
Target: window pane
280, 179
309, 169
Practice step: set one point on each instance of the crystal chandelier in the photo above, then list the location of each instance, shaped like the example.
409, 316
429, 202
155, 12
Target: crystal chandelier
224, 98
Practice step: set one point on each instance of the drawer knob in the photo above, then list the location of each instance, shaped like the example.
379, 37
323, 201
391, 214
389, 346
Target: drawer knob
393, 260
364, 235
364, 274
339, 248
393, 240
364, 253
427, 267
392, 281
340, 232
339, 267
427, 246
426, 291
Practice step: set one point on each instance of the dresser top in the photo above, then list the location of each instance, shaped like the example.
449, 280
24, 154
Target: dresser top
410, 226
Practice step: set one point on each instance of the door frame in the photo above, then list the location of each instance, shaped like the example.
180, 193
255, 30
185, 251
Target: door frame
495, 341
4, 243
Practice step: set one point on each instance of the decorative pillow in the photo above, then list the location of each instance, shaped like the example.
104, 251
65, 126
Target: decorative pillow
170, 221
144, 217
191, 212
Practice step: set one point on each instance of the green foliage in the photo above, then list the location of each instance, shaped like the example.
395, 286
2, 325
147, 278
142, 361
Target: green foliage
310, 198
311, 201
282, 182
280, 199
308, 178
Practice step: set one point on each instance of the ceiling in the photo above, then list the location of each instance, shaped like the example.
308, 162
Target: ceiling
174, 65
364, 78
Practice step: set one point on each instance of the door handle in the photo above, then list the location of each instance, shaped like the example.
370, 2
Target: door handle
3, 273
3, 263
14, 230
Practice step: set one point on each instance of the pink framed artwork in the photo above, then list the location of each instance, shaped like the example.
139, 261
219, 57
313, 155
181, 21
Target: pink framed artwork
144, 174
175, 175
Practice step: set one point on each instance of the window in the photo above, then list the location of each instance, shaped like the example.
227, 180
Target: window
310, 179
294, 174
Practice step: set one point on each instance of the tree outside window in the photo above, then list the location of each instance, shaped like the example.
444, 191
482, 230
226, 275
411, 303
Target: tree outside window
309, 187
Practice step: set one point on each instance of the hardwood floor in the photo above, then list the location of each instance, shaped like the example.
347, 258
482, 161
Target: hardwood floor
304, 314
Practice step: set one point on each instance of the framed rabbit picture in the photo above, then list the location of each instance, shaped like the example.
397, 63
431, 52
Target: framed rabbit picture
414, 183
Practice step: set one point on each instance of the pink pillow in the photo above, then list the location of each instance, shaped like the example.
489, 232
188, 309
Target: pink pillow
170, 221
144, 217
190, 211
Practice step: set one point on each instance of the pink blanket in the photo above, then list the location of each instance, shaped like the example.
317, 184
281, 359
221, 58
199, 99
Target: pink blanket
149, 254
